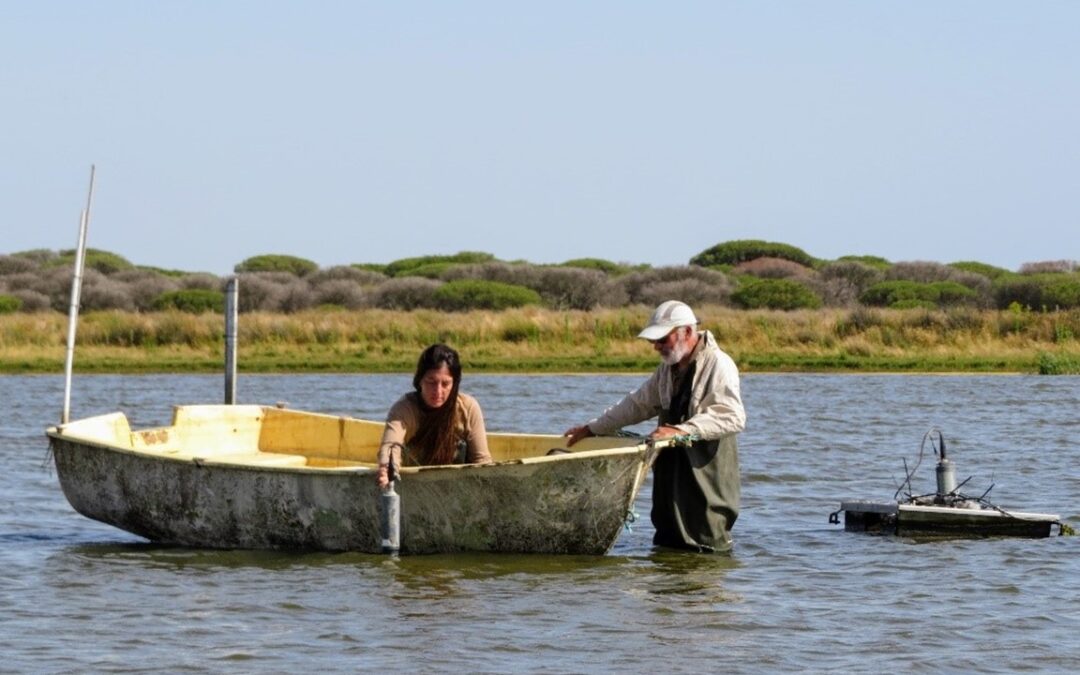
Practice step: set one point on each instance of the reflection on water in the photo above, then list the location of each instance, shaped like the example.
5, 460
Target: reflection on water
796, 593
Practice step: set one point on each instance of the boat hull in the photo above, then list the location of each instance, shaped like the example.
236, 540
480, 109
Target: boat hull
566, 503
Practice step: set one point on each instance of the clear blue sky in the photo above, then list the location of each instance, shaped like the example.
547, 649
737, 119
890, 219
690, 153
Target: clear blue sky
634, 131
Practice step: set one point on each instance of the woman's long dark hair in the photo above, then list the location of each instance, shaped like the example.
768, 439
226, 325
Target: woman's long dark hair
436, 439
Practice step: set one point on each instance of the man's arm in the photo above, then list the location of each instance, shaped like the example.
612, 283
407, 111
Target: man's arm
721, 410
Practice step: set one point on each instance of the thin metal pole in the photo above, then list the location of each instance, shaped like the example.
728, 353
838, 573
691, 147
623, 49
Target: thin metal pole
232, 295
76, 292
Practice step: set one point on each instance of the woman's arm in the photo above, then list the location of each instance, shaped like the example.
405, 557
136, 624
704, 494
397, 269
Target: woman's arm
475, 432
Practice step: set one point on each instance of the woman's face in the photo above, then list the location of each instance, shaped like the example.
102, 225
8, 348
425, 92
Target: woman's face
436, 385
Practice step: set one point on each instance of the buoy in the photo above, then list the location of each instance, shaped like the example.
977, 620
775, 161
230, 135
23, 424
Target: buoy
944, 513
390, 514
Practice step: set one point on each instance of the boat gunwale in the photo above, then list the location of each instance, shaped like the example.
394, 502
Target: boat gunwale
58, 433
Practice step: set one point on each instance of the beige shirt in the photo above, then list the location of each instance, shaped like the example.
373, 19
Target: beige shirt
716, 407
403, 421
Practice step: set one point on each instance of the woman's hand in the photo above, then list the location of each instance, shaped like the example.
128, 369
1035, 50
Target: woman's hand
382, 476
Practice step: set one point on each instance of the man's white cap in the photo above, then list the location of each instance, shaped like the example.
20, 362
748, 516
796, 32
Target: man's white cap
666, 318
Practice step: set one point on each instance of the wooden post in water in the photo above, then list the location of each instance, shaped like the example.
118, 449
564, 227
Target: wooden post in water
76, 292
232, 296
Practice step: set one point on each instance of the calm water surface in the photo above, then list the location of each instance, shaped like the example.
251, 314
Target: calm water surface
797, 594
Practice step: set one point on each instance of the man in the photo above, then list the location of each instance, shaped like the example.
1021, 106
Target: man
695, 391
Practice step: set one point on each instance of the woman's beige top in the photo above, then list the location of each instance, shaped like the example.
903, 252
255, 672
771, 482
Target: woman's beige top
403, 420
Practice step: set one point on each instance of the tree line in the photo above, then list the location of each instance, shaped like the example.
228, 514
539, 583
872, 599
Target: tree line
743, 274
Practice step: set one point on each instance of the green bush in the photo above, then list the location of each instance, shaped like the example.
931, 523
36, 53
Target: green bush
741, 250
370, 267
9, 304
606, 266
877, 262
1062, 292
775, 294
988, 271
102, 261
1038, 291
277, 263
401, 267
429, 271
889, 293
465, 294
949, 293
192, 300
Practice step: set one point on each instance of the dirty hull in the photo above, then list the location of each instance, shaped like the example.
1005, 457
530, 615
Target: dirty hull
566, 505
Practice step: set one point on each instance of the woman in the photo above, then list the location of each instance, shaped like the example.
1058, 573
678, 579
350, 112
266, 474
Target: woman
434, 423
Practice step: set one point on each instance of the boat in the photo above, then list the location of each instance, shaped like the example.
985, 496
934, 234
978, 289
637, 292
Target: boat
268, 477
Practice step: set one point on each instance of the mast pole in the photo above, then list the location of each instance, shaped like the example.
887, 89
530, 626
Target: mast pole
76, 292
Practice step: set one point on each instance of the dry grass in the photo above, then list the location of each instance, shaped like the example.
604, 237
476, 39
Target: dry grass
535, 339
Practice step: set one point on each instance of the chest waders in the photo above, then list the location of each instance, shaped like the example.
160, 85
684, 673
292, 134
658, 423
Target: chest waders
695, 495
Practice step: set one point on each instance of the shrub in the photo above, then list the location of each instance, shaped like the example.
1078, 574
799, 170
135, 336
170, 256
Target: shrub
13, 264
96, 259
193, 301
144, 286
519, 274
1048, 267
840, 283
466, 294
296, 296
735, 252
1038, 291
351, 273
33, 301
876, 262
378, 268
172, 274
40, 256
606, 266
693, 292
429, 271
951, 293
277, 263
919, 271
637, 283
202, 280
571, 288
929, 273
775, 294
100, 292
1062, 293
988, 271
341, 292
400, 267
772, 268
263, 291
9, 304
889, 293
406, 293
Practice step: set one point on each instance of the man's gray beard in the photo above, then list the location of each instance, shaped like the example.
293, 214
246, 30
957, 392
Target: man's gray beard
678, 351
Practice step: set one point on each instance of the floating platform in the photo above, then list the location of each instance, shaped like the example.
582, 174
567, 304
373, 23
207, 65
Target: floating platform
918, 520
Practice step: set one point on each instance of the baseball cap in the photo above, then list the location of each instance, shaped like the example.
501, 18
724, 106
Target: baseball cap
667, 317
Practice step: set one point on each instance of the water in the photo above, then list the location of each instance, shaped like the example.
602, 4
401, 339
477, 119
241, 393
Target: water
797, 594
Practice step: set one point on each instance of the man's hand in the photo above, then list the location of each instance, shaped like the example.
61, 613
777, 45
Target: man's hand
577, 433
664, 431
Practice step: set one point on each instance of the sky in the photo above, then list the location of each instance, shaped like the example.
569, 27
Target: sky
642, 132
